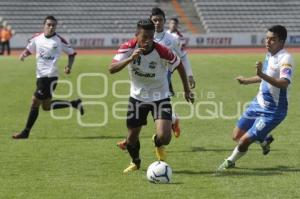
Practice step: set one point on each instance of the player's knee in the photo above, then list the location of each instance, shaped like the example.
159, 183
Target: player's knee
235, 138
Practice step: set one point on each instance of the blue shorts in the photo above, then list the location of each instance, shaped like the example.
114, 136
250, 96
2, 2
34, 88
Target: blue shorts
259, 122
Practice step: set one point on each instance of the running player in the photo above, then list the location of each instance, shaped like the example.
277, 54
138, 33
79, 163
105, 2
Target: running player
148, 63
48, 47
270, 106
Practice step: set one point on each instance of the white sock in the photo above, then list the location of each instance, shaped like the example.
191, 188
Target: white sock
174, 118
236, 154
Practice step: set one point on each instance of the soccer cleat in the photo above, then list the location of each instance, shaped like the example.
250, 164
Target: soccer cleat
132, 167
21, 135
266, 148
122, 144
176, 127
227, 164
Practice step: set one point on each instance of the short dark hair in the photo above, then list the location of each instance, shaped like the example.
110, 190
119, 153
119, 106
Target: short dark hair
50, 17
175, 19
158, 11
280, 31
145, 24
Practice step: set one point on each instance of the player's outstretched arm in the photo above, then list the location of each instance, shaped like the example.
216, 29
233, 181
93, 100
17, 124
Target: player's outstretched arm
248, 80
277, 82
189, 96
119, 65
24, 54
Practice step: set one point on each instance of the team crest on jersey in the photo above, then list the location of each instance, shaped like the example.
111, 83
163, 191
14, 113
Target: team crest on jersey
152, 65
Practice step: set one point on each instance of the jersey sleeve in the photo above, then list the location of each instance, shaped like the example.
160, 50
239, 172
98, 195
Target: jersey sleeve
172, 59
31, 46
124, 51
287, 68
66, 47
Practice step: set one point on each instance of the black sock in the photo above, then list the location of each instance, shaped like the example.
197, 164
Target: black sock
75, 103
33, 114
134, 152
58, 104
157, 142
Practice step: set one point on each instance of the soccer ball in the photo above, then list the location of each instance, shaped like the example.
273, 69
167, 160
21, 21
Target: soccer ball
159, 172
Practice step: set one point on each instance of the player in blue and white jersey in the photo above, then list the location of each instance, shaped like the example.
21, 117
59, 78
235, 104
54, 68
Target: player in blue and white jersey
269, 108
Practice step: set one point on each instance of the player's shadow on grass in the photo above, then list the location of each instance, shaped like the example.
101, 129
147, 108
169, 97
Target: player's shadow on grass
200, 149
279, 168
191, 172
91, 137
270, 171
100, 137
203, 149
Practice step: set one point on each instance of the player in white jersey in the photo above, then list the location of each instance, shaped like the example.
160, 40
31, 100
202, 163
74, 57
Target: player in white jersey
148, 63
173, 30
166, 39
163, 37
270, 106
48, 46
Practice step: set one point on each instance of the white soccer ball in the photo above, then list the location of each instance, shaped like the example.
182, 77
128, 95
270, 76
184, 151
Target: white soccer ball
159, 172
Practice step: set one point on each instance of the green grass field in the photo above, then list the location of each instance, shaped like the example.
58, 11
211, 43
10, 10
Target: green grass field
63, 160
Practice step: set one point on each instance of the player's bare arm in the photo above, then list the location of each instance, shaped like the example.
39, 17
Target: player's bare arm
278, 82
188, 94
24, 54
192, 82
71, 59
248, 80
118, 66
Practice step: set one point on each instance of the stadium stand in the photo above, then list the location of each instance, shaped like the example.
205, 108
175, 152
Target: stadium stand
76, 16
226, 16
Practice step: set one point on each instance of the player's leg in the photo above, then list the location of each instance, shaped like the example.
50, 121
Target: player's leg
266, 138
239, 151
59, 104
32, 116
240, 135
8, 47
175, 125
133, 148
175, 118
136, 117
2, 48
48, 103
162, 137
162, 114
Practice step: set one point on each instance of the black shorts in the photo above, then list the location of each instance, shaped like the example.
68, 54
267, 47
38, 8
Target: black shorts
45, 87
138, 111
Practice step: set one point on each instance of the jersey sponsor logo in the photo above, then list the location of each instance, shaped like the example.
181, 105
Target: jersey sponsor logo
152, 65
44, 55
138, 73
